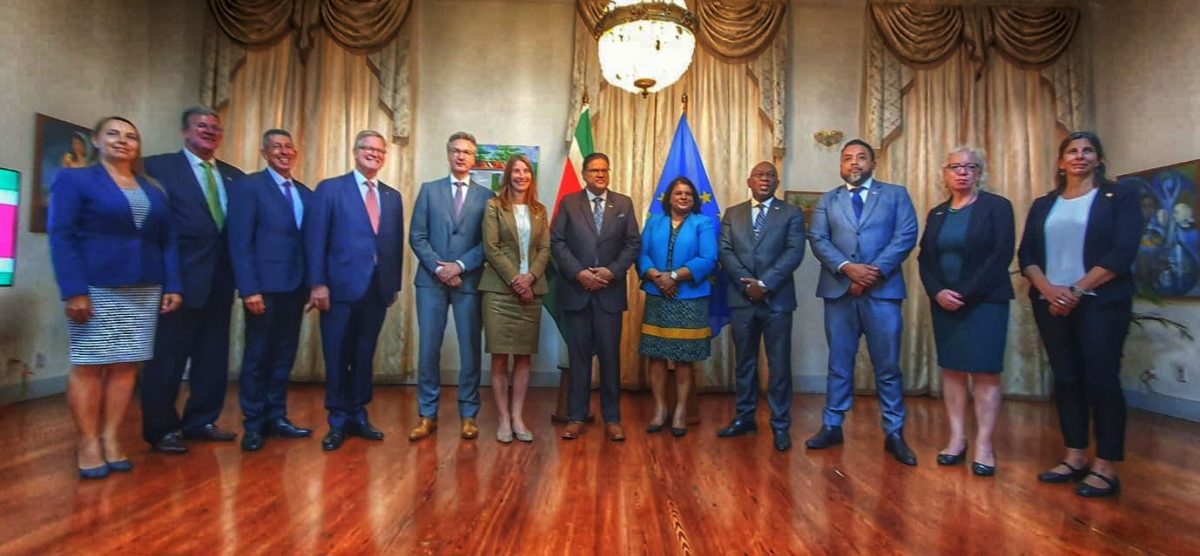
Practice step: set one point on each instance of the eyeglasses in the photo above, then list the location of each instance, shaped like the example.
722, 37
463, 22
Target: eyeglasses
597, 171
463, 152
371, 150
961, 168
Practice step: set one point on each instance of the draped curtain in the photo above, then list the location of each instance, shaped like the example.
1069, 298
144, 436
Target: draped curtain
1007, 79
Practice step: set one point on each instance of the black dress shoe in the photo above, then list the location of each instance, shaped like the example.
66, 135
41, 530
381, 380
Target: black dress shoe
333, 440
678, 431
783, 441
252, 441
1074, 474
826, 437
953, 459
653, 429
1088, 491
895, 445
171, 443
286, 429
981, 470
738, 427
367, 431
211, 433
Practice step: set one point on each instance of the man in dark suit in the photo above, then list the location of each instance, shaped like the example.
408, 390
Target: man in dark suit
447, 238
861, 232
354, 251
594, 240
265, 216
198, 187
762, 243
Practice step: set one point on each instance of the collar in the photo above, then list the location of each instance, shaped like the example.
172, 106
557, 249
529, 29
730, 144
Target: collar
756, 204
195, 160
278, 178
592, 198
454, 179
359, 179
865, 185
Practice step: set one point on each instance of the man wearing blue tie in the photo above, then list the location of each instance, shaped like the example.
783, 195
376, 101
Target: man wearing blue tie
447, 238
354, 251
265, 216
861, 232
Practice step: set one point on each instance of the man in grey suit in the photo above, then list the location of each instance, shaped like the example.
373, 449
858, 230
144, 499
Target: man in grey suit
447, 238
594, 240
861, 232
762, 243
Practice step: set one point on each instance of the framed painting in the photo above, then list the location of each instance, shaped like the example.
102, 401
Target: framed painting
806, 200
57, 144
10, 195
490, 161
1168, 259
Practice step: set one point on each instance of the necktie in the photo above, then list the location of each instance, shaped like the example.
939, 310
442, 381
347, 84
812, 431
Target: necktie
759, 220
372, 206
598, 213
212, 196
459, 195
291, 203
856, 200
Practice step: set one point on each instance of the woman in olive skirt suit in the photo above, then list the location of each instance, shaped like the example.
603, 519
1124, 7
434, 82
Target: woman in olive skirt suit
516, 242
117, 266
965, 254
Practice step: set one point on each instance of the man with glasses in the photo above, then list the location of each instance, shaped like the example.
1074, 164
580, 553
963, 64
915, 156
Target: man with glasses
447, 238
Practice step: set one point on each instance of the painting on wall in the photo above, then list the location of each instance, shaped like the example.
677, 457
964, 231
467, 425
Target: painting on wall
1168, 260
10, 193
806, 200
57, 145
490, 161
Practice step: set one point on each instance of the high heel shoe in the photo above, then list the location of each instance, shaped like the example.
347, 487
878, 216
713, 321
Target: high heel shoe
678, 431
953, 459
981, 470
94, 472
120, 466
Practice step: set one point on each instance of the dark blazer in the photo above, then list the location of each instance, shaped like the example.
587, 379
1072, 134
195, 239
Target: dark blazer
991, 236
201, 246
575, 246
772, 258
93, 240
265, 245
340, 248
1111, 241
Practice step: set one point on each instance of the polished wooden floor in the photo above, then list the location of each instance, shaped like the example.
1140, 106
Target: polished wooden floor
649, 495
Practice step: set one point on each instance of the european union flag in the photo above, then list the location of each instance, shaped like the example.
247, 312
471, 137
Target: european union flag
684, 160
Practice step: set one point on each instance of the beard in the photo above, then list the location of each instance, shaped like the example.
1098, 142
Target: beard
856, 178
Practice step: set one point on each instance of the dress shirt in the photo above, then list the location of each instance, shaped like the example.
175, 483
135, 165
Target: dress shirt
198, 171
297, 205
862, 194
361, 180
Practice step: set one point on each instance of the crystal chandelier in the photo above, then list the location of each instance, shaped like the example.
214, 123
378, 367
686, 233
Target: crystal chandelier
645, 45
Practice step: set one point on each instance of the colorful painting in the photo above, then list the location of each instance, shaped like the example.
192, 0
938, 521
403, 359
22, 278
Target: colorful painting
1168, 261
10, 193
490, 161
57, 144
806, 200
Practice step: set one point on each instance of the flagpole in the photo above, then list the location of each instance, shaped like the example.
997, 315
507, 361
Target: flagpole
685, 102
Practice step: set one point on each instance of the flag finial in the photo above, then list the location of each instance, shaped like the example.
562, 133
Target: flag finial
685, 102
586, 100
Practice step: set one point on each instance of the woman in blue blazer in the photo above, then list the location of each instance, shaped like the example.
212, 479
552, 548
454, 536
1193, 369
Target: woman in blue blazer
117, 266
1077, 251
678, 253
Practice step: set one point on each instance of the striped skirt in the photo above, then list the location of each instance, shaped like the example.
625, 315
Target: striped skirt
121, 329
675, 329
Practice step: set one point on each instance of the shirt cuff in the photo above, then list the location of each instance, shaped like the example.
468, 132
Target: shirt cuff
462, 267
844, 263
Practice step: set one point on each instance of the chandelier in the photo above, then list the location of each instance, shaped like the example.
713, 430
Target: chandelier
645, 45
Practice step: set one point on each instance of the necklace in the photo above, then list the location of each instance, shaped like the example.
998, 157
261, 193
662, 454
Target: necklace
966, 205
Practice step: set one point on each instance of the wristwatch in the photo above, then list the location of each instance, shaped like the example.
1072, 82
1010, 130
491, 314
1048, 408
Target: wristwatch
674, 276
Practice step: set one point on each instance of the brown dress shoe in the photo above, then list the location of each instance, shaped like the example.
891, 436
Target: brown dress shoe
469, 429
614, 431
574, 430
425, 427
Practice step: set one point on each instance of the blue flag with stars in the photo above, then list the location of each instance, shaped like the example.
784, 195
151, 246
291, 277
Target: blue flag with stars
684, 160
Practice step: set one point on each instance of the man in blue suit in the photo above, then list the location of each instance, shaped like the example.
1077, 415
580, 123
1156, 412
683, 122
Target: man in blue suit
265, 216
861, 232
198, 186
447, 238
761, 244
354, 251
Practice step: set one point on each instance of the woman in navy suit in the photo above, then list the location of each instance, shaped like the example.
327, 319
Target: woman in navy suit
965, 253
116, 263
678, 253
1077, 252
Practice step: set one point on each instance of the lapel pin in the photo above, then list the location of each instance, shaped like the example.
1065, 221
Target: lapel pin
1109, 194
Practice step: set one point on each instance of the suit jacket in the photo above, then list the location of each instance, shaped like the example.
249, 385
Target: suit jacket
1111, 241
436, 235
576, 246
340, 248
265, 245
695, 248
772, 258
883, 237
202, 248
93, 240
991, 237
501, 246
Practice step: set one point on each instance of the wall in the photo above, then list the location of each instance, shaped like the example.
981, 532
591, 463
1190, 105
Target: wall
79, 60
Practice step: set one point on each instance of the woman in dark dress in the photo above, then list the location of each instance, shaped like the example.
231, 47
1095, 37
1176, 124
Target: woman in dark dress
965, 253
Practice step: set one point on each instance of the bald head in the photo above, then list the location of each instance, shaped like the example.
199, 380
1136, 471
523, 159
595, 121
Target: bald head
763, 180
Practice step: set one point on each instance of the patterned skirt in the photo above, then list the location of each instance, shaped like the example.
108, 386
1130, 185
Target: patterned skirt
121, 329
675, 329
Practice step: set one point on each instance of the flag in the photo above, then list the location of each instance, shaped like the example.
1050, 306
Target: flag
684, 160
10, 189
571, 182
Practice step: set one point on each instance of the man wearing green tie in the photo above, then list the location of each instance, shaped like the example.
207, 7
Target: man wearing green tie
197, 186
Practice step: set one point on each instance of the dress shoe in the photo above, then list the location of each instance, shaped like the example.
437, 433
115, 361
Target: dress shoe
120, 466
94, 472
558, 420
211, 433
333, 440
171, 443
738, 427
286, 429
1075, 474
614, 431
573, 430
425, 427
367, 431
252, 441
523, 436
981, 470
953, 459
783, 441
895, 445
826, 437
469, 429
678, 431
1088, 491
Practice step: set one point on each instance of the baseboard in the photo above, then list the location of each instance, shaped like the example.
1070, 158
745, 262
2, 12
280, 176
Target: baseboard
1164, 405
33, 389
809, 384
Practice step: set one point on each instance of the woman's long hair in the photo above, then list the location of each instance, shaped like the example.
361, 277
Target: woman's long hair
506, 193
